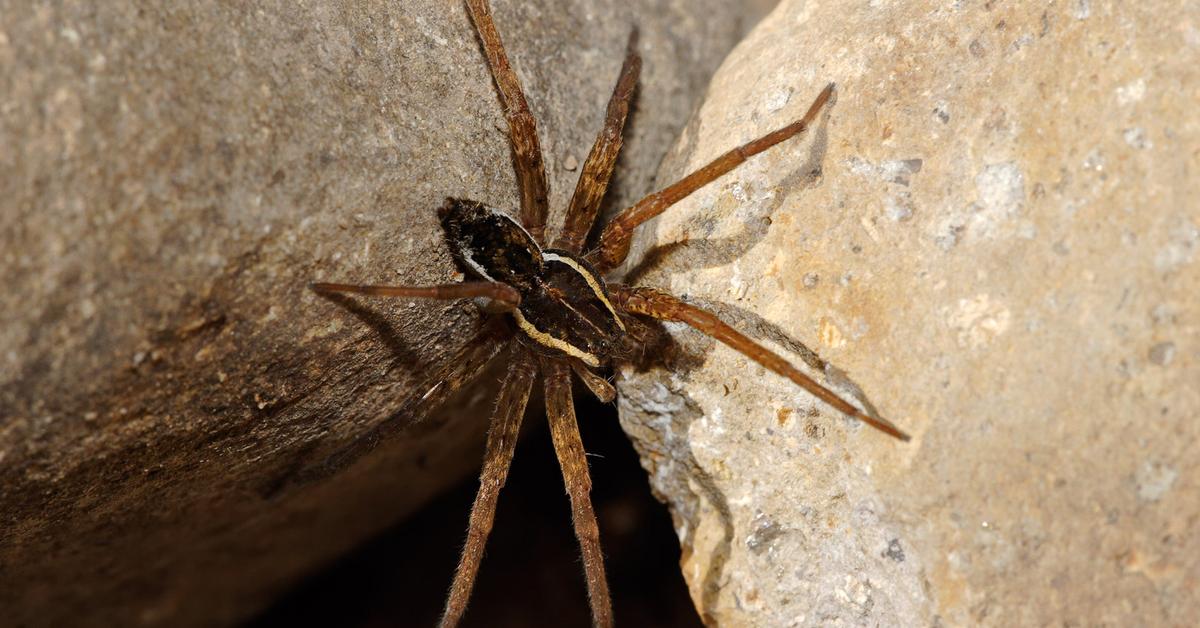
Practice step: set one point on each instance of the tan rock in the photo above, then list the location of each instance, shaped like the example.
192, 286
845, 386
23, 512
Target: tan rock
993, 236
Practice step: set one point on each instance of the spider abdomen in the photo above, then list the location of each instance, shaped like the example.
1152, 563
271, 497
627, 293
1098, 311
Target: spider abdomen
489, 244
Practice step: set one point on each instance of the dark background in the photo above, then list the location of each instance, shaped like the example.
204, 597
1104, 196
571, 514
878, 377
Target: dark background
531, 574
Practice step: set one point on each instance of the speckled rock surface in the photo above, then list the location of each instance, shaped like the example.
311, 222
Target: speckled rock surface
993, 238
177, 413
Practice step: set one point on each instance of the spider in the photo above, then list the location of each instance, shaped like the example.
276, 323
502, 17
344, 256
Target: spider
567, 316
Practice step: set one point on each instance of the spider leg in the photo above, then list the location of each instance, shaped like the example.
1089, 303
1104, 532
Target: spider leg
663, 306
598, 168
614, 241
501, 442
501, 297
599, 386
522, 128
571, 458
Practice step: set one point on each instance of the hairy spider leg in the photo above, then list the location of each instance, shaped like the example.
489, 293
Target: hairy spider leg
522, 128
613, 246
598, 168
499, 297
501, 443
564, 430
599, 386
662, 306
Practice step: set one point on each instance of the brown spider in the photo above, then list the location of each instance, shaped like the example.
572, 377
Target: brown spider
567, 316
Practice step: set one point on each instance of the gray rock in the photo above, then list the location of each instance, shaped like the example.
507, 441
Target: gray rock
1030, 316
182, 424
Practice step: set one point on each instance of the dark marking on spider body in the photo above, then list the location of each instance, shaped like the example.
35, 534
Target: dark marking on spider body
567, 317
572, 315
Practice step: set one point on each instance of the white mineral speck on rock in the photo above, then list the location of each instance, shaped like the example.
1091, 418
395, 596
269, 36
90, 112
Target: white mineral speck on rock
778, 99
978, 321
1131, 92
897, 209
1001, 193
1136, 137
1154, 479
1083, 9
1180, 249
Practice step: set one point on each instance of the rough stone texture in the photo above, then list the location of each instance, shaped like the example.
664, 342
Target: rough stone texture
993, 237
173, 403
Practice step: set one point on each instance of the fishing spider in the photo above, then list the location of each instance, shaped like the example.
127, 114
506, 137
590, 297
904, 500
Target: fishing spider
567, 316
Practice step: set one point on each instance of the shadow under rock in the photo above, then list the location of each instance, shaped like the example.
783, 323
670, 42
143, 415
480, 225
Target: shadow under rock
468, 362
531, 574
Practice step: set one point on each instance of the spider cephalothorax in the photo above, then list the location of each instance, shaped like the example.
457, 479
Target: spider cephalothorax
563, 309
566, 316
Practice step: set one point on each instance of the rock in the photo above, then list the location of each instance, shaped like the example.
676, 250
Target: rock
992, 237
182, 423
